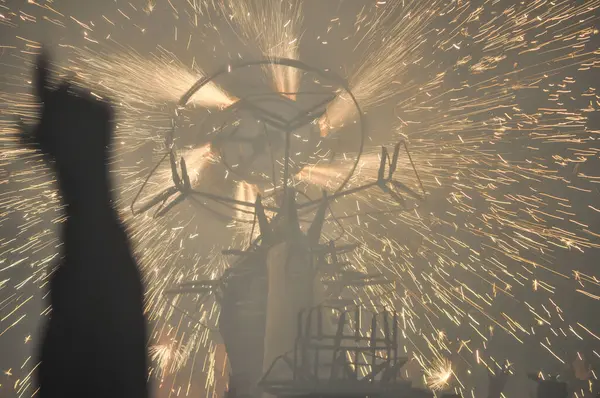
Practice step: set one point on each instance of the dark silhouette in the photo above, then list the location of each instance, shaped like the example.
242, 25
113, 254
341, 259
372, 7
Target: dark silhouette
497, 382
550, 387
94, 344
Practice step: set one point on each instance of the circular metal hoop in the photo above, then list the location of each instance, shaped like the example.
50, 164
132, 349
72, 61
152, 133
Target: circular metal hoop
184, 100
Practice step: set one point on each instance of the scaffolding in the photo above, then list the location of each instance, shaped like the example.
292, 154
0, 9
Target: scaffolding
348, 362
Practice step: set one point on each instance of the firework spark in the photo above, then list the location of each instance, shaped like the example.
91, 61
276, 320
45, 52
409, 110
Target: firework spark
494, 100
439, 375
135, 79
169, 357
281, 40
383, 74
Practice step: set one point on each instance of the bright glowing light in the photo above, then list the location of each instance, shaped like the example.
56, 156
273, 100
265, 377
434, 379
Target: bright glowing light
495, 100
438, 377
169, 357
136, 79
280, 40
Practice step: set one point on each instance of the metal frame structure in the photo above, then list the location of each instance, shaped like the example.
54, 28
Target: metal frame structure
274, 122
182, 187
344, 355
348, 350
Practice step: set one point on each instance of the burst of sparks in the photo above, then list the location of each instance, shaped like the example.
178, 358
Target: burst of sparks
133, 78
438, 377
281, 40
169, 357
492, 98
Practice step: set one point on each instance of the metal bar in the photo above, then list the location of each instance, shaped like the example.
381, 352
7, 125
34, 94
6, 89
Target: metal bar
316, 368
340, 194
209, 282
162, 197
336, 351
286, 166
395, 340
386, 329
353, 338
306, 341
359, 283
300, 119
319, 322
414, 168
357, 316
197, 290
345, 347
375, 371
296, 343
386, 326
223, 199
374, 342
275, 119
269, 94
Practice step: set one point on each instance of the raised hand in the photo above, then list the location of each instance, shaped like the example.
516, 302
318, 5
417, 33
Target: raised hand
74, 132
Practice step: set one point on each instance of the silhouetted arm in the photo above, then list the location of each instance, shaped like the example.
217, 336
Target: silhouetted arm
94, 343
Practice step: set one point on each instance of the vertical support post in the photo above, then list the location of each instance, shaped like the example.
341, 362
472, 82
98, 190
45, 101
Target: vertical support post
357, 316
388, 340
300, 324
357, 329
317, 349
286, 165
306, 340
395, 340
298, 341
320, 323
414, 167
373, 344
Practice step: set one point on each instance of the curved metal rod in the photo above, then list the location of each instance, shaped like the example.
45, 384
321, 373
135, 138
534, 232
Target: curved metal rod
277, 61
198, 322
340, 194
263, 379
146, 181
293, 64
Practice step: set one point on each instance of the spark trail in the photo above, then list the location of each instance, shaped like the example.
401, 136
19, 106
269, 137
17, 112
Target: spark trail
281, 40
142, 80
495, 101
